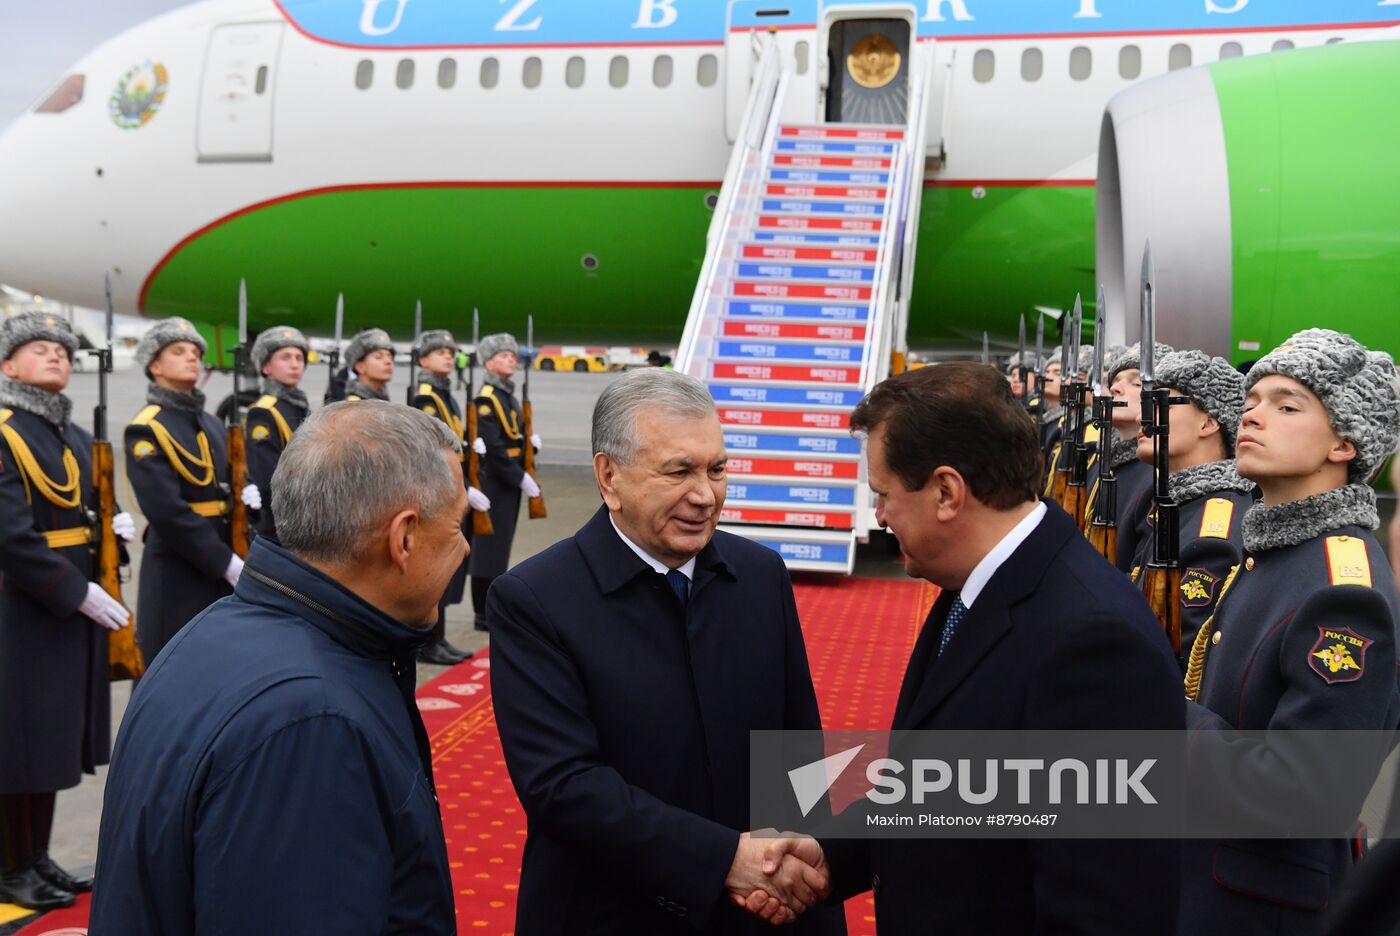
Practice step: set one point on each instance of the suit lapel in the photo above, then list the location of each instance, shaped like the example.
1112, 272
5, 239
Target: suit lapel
916, 672
929, 679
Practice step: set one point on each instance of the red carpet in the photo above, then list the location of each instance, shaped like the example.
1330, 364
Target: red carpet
859, 635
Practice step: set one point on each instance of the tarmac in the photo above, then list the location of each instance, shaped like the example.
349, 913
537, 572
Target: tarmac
563, 404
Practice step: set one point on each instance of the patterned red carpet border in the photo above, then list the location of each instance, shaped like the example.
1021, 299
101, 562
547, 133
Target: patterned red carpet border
859, 635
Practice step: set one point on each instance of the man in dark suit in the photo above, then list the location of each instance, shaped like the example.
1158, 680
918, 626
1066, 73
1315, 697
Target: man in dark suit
628, 665
1033, 630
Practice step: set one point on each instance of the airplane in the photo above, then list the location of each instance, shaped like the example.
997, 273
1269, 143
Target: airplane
563, 159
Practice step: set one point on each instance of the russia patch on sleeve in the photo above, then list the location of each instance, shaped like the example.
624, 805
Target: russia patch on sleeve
1339, 654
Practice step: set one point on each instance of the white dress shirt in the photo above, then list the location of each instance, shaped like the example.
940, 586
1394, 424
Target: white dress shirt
688, 570
999, 553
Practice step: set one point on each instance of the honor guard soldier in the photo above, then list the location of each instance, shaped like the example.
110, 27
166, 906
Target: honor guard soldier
1013, 374
279, 355
503, 476
436, 352
177, 465
1052, 413
55, 700
1304, 636
370, 361
1133, 478
1211, 496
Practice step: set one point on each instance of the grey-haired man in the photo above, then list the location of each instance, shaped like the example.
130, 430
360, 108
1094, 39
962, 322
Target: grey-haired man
272, 774
628, 665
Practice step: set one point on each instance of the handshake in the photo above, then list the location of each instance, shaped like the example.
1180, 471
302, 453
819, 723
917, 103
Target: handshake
776, 879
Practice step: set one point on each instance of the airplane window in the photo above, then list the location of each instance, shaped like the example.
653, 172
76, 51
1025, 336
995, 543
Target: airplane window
68, 93
404, 78
364, 74
1032, 64
490, 72
803, 53
1129, 62
260, 83
573, 72
662, 71
1334, 40
1081, 63
617, 71
707, 73
1231, 50
1283, 44
533, 72
447, 73
1179, 57
984, 65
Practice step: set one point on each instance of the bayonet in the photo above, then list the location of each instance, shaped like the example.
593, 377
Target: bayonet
1021, 358
1096, 373
1147, 370
413, 350
986, 350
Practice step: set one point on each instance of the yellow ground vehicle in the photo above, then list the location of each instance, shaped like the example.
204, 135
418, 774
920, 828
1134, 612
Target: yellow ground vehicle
572, 358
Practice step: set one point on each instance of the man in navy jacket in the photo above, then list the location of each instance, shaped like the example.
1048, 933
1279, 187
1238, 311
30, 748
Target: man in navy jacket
628, 665
1033, 631
272, 774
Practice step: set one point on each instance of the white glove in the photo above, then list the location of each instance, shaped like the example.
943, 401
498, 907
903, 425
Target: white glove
479, 445
252, 497
234, 570
535, 441
477, 500
528, 485
104, 609
124, 526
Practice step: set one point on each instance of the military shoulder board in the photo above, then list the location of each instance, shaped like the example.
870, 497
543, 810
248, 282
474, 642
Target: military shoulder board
1347, 561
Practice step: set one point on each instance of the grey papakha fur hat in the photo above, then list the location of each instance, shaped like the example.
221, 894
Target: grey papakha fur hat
431, 341
492, 345
1359, 388
35, 326
371, 339
1212, 383
162, 334
1131, 358
272, 340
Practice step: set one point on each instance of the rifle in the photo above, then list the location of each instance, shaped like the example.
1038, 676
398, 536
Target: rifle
481, 519
1161, 579
123, 653
1075, 455
1037, 403
333, 359
537, 510
413, 352
1102, 528
237, 451
1060, 467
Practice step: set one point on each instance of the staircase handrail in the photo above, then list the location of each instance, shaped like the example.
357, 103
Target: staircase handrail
760, 111
918, 143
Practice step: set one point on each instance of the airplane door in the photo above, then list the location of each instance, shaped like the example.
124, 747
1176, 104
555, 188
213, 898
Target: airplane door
235, 105
868, 65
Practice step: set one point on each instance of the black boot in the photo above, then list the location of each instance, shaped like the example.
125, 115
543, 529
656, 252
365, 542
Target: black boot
29, 889
438, 654
456, 651
479, 622
60, 878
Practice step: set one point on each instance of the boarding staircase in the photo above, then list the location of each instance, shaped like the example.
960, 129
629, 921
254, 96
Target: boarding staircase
800, 310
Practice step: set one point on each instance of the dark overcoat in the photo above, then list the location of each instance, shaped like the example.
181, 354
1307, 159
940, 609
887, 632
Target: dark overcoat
625, 720
500, 425
55, 699
271, 422
440, 404
1057, 640
186, 552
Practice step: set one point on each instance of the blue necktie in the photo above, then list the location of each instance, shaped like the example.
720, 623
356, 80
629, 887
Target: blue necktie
680, 585
956, 612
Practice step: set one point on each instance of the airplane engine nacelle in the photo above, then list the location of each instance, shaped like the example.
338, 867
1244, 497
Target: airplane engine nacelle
1269, 188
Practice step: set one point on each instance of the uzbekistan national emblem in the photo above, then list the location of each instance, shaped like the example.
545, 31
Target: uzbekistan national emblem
1339, 654
138, 95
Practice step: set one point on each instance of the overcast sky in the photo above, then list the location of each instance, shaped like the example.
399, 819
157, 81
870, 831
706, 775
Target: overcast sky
42, 38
